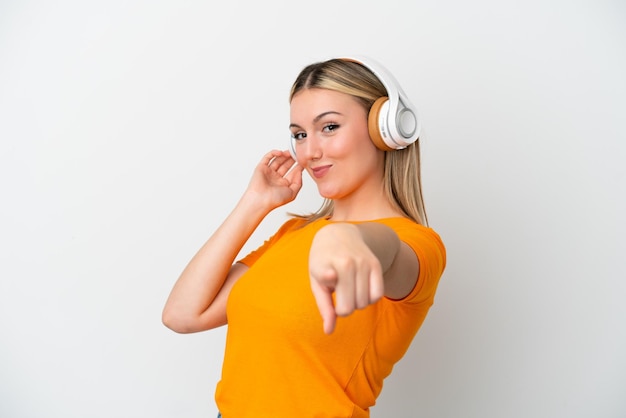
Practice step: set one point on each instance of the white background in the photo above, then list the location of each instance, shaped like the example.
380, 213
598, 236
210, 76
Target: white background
129, 129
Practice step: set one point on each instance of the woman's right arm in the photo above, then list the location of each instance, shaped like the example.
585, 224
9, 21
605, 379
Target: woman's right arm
197, 301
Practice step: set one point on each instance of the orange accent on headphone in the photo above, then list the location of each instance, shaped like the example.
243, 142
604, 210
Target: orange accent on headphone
373, 127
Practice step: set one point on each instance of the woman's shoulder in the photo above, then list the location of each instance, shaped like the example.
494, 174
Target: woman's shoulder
408, 229
403, 222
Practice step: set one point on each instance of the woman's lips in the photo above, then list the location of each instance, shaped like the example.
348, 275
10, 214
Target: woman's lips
320, 171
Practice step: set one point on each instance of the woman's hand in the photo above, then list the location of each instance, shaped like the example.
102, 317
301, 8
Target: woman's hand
340, 262
272, 182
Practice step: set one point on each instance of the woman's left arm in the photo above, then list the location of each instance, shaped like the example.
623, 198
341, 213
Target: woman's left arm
359, 263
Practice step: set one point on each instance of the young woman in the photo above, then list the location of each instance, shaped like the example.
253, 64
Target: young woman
319, 314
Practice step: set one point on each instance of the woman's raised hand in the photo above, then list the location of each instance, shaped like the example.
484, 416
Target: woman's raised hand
276, 181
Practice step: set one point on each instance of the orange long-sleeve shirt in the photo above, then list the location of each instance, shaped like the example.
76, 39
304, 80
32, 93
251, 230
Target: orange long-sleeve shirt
278, 361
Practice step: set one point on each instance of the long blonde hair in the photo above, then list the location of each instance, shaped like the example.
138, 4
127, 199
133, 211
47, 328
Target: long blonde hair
402, 179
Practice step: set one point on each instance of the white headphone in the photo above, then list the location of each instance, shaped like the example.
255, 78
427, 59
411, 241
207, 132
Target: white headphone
392, 121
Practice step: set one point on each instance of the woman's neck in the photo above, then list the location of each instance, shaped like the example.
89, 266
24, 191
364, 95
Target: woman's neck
377, 207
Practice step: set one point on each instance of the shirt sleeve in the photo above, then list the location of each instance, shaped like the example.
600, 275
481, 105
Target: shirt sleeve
431, 254
254, 255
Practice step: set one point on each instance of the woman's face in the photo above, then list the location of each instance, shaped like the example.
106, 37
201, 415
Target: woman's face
333, 144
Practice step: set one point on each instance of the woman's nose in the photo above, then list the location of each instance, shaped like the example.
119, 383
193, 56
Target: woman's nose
310, 149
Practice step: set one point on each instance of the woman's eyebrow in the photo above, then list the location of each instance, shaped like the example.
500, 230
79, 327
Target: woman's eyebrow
317, 118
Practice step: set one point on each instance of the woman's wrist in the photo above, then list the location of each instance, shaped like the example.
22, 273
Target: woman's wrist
253, 205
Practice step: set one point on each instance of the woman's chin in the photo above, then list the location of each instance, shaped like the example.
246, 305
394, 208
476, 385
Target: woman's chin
328, 194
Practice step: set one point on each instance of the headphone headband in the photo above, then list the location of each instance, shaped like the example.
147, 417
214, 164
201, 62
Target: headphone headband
399, 123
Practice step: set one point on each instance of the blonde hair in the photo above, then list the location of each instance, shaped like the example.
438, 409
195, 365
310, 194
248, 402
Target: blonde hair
402, 178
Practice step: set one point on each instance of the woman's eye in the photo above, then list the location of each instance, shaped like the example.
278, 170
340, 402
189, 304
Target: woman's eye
331, 127
298, 135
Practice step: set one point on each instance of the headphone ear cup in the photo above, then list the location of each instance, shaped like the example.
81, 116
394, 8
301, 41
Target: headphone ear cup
373, 126
292, 147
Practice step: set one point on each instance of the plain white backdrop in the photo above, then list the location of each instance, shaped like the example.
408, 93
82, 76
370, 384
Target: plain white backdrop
128, 130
